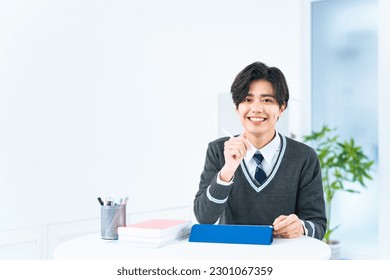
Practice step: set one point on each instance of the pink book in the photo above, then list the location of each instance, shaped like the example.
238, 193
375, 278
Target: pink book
156, 228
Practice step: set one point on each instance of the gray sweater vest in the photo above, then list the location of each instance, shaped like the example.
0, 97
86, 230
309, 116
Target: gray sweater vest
293, 186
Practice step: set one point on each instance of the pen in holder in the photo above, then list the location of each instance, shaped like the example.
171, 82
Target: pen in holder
112, 217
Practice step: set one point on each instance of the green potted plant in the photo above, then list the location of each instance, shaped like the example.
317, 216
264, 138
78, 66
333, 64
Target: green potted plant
341, 162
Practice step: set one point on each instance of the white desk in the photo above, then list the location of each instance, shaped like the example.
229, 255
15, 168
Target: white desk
92, 247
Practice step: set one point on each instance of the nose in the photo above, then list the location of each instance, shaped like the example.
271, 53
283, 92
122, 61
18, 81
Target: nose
257, 107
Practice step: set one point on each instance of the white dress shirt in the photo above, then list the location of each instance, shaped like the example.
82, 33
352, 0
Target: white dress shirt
270, 153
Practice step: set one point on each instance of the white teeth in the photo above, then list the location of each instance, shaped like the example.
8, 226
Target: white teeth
257, 119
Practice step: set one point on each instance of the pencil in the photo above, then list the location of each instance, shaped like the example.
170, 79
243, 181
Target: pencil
227, 133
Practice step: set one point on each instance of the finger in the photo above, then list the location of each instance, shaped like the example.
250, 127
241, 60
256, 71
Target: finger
280, 218
237, 145
278, 222
233, 153
290, 235
284, 221
289, 227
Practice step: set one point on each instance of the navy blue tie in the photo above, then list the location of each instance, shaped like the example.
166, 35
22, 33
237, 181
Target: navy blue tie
260, 175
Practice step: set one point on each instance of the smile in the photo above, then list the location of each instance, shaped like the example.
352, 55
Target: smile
256, 119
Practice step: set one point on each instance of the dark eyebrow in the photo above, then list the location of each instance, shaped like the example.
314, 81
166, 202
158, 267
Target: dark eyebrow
268, 95
262, 95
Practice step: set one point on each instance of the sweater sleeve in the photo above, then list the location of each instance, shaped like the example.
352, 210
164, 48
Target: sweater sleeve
211, 198
310, 204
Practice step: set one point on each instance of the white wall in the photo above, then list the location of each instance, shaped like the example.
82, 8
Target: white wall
103, 97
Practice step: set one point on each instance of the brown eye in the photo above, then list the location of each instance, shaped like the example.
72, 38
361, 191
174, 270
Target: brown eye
268, 100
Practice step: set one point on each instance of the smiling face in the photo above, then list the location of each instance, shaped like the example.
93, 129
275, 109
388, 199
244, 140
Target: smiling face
259, 112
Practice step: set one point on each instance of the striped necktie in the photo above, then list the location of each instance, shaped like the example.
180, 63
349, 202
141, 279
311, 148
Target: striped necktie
260, 175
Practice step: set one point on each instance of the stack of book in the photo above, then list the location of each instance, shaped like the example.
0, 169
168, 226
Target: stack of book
156, 232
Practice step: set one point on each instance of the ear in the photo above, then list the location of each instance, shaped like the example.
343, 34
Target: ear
282, 109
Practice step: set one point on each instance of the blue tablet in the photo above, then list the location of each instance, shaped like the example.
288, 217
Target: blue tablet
237, 234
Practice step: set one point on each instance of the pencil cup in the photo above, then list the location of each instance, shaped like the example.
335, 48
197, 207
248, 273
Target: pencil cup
112, 217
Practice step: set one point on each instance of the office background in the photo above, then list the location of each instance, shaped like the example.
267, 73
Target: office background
120, 98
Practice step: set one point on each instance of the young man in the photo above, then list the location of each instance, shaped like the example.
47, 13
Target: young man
262, 177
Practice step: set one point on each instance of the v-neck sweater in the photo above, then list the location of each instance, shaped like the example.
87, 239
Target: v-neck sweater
293, 186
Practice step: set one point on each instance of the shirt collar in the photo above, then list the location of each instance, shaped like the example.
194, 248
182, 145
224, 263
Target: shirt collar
268, 151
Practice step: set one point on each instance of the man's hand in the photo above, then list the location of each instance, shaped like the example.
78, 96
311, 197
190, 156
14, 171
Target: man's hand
234, 151
288, 226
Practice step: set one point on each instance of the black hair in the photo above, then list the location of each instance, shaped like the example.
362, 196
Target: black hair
260, 71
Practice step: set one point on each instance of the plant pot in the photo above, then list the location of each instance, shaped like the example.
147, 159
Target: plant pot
335, 246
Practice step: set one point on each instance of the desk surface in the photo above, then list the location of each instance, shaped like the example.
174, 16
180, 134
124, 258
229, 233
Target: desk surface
93, 247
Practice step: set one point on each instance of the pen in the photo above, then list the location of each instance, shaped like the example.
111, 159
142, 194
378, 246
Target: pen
227, 133
100, 201
111, 201
124, 202
232, 136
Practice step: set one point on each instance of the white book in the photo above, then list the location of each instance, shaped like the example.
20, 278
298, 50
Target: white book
153, 240
150, 244
156, 228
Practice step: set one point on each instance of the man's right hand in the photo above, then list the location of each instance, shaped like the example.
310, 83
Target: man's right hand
234, 151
